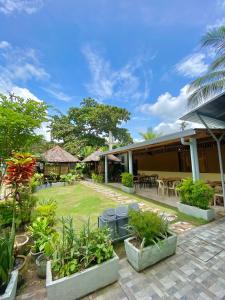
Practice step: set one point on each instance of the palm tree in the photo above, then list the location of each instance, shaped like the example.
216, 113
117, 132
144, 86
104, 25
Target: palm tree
149, 134
213, 82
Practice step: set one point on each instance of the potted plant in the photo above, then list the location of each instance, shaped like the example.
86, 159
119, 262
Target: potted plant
195, 199
8, 277
151, 240
41, 233
127, 183
80, 262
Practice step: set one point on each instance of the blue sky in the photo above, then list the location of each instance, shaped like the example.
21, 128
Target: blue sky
138, 54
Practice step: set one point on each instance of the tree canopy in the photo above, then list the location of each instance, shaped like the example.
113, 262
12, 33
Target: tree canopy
19, 118
149, 134
89, 125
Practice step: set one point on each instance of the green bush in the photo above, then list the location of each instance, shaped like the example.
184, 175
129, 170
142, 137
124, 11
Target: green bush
73, 251
36, 180
196, 193
97, 178
68, 178
26, 205
46, 209
6, 213
127, 180
148, 227
41, 232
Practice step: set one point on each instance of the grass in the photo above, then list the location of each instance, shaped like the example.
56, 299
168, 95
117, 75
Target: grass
77, 201
82, 202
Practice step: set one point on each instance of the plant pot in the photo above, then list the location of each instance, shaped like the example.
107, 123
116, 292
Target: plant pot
206, 214
21, 243
19, 265
41, 263
82, 283
10, 292
34, 255
129, 190
148, 256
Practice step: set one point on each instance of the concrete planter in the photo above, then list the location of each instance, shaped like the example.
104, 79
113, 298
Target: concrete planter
148, 256
82, 283
128, 190
10, 292
206, 214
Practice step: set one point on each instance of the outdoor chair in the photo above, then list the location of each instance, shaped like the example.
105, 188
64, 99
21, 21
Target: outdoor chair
172, 188
218, 195
162, 187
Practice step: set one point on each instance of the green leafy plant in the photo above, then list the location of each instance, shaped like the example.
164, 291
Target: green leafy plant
46, 209
196, 193
127, 179
6, 258
26, 204
41, 233
68, 178
147, 227
52, 177
36, 180
97, 178
73, 251
6, 213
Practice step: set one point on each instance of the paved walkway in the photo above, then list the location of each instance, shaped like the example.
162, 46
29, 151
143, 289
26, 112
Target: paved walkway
196, 271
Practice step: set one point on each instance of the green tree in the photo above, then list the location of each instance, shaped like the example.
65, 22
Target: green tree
213, 82
149, 134
89, 125
19, 118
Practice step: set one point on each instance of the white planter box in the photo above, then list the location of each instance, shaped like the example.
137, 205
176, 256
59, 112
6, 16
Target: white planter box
148, 256
82, 283
128, 189
10, 292
206, 214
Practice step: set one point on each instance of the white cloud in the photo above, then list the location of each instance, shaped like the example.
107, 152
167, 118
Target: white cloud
27, 6
167, 107
217, 23
123, 84
56, 92
193, 65
44, 130
24, 93
4, 44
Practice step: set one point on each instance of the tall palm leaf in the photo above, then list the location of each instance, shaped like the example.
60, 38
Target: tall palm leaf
213, 82
149, 134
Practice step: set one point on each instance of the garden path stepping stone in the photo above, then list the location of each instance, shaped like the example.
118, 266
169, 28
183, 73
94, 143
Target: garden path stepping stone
181, 227
201, 249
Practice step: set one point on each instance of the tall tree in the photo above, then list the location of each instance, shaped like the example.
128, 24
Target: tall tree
213, 82
89, 125
149, 134
19, 118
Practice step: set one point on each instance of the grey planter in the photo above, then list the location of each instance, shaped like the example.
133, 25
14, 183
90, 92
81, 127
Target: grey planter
206, 214
82, 283
128, 190
148, 256
10, 292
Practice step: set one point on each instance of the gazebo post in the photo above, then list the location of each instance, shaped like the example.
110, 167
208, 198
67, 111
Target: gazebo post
106, 169
130, 162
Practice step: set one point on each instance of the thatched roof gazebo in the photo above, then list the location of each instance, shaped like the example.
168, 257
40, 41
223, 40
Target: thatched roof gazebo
95, 157
59, 161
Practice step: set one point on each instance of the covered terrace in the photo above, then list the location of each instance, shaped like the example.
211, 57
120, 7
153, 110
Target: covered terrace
169, 158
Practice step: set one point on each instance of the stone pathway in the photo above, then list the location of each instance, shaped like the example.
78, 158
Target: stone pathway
125, 200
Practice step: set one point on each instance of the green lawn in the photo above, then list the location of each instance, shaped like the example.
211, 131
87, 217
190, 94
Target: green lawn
77, 201
82, 202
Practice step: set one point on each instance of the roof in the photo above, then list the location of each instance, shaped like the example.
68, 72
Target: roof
59, 155
95, 156
165, 138
212, 112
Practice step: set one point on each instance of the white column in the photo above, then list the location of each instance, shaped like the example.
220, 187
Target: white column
194, 157
106, 169
130, 160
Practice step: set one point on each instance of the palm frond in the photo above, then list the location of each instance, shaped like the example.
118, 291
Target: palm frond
215, 38
205, 92
206, 79
219, 62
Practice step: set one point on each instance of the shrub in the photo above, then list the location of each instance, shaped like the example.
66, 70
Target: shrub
6, 259
97, 178
46, 209
127, 180
69, 178
36, 180
6, 213
26, 204
41, 233
73, 251
196, 193
148, 227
